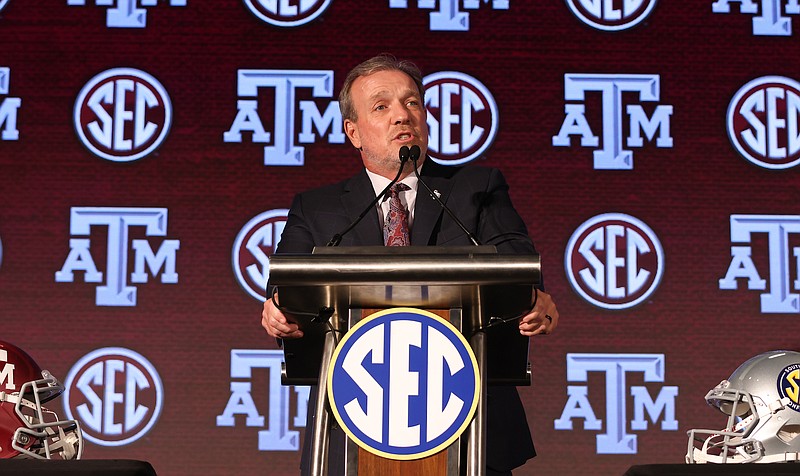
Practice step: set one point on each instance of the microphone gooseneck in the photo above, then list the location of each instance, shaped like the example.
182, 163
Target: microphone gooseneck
404, 156
414, 152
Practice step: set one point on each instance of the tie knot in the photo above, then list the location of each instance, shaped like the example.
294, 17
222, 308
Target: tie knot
397, 188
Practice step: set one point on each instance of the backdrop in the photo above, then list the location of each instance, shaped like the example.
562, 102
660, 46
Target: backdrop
149, 150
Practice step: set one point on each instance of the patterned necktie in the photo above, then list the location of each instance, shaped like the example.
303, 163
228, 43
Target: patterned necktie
395, 227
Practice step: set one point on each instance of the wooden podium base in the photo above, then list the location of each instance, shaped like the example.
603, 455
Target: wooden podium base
371, 464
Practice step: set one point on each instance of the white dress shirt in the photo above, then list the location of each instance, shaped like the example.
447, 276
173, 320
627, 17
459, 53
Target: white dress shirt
408, 197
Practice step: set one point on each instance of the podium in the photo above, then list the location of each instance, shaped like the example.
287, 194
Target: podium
480, 292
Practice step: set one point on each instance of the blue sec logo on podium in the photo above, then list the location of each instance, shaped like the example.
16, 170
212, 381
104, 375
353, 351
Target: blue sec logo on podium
403, 383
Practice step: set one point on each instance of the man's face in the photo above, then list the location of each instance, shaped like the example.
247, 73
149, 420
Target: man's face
390, 114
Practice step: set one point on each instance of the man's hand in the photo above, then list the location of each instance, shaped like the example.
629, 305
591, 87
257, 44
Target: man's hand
543, 318
276, 324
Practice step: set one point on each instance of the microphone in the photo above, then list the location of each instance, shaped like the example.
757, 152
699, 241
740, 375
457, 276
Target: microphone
414, 153
404, 155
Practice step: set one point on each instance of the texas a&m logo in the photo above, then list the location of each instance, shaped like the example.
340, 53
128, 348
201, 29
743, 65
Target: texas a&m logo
119, 223
9, 106
403, 383
770, 20
618, 370
283, 140
611, 16
122, 114
286, 406
127, 13
613, 89
462, 117
614, 261
6, 372
763, 122
780, 268
449, 16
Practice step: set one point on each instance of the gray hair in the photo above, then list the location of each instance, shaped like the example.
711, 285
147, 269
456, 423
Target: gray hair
382, 62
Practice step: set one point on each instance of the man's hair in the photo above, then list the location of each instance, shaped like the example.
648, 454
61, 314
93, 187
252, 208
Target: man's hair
382, 62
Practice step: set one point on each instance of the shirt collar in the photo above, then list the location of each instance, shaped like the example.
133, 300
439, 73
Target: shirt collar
379, 182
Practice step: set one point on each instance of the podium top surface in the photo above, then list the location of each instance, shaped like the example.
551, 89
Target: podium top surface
405, 250
379, 265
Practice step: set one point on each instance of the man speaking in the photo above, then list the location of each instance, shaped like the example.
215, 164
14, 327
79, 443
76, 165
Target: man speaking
383, 108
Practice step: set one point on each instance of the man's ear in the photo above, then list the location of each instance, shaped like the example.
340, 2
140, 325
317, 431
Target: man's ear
351, 129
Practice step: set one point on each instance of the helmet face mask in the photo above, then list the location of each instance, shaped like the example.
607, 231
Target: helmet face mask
761, 401
731, 445
27, 429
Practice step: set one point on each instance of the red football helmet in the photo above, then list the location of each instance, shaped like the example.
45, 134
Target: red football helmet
27, 429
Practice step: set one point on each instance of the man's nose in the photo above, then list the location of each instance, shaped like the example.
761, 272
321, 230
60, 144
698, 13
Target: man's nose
402, 115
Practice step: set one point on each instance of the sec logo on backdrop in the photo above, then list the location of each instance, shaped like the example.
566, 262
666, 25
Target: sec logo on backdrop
287, 14
403, 383
462, 117
614, 261
763, 122
611, 16
255, 243
116, 394
122, 114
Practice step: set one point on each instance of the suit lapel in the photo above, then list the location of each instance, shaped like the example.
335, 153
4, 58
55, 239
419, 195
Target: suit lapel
427, 212
357, 195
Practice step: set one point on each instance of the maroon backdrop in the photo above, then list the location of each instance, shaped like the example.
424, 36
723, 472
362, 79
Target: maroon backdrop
685, 190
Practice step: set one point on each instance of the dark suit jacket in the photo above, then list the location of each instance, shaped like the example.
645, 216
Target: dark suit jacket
478, 196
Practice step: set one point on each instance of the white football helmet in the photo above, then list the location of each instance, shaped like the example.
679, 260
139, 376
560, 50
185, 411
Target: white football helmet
762, 401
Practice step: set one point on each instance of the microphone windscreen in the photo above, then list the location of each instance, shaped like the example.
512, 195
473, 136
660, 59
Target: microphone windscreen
414, 152
404, 153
